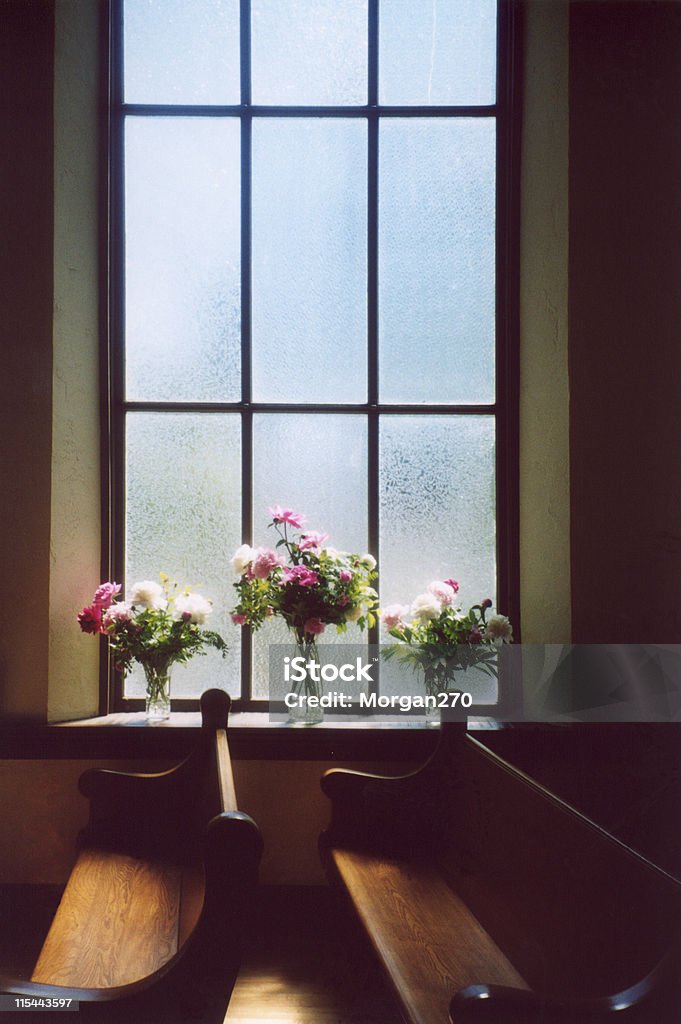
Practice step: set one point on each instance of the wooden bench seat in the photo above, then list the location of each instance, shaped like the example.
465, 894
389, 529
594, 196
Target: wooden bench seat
152, 919
488, 899
118, 921
427, 939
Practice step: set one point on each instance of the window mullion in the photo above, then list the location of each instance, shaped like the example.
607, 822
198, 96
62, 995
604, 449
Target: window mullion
113, 538
373, 470
246, 356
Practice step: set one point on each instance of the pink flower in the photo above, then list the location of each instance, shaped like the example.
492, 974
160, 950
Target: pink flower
453, 584
105, 593
263, 563
343, 600
345, 575
392, 615
486, 603
90, 619
314, 626
238, 618
475, 636
312, 540
287, 515
443, 591
301, 575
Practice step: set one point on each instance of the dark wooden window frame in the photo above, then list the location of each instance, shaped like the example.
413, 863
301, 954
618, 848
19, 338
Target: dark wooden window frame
504, 409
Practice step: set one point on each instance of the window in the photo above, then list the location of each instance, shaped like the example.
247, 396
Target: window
312, 294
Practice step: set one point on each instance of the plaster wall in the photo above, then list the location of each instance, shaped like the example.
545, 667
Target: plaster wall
75, 551
41, 801
544, 386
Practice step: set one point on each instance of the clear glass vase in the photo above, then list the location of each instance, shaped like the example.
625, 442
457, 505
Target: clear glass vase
306, 686
434, 685
158, 691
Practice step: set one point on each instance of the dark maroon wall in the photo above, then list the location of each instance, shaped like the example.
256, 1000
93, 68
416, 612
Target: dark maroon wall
26, 296
625, 321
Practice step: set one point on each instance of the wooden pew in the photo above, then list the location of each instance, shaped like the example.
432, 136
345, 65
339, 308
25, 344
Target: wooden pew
151, 921
486, 898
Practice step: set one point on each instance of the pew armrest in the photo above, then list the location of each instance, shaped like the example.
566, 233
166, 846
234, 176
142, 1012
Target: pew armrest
497, 1004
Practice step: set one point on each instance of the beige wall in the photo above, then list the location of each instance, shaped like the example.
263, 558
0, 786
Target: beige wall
75, 551
41, 801
49, 391
544, 388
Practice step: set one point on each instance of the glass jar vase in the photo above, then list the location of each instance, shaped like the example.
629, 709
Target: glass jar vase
306, 687
158, 691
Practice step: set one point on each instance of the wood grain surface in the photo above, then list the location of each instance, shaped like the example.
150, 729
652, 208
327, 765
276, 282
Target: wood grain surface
191, 903
225, 774
427, 939
117, 922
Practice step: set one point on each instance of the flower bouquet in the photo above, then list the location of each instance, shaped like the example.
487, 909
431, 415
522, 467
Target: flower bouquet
160, 624
438, 639
308, 585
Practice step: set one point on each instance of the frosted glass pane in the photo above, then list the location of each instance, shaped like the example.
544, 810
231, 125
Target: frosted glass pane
316, 465
437, 52
182, 271
309, 260
398, 679
184, 519
311, 52
437, 505
436, 260
181, 52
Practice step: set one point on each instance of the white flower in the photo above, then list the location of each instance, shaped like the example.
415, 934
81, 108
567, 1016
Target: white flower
442, 591
499, 629
333, 553
118, 612
369, 561
242, 558
148, 594
193, 608
426, 607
